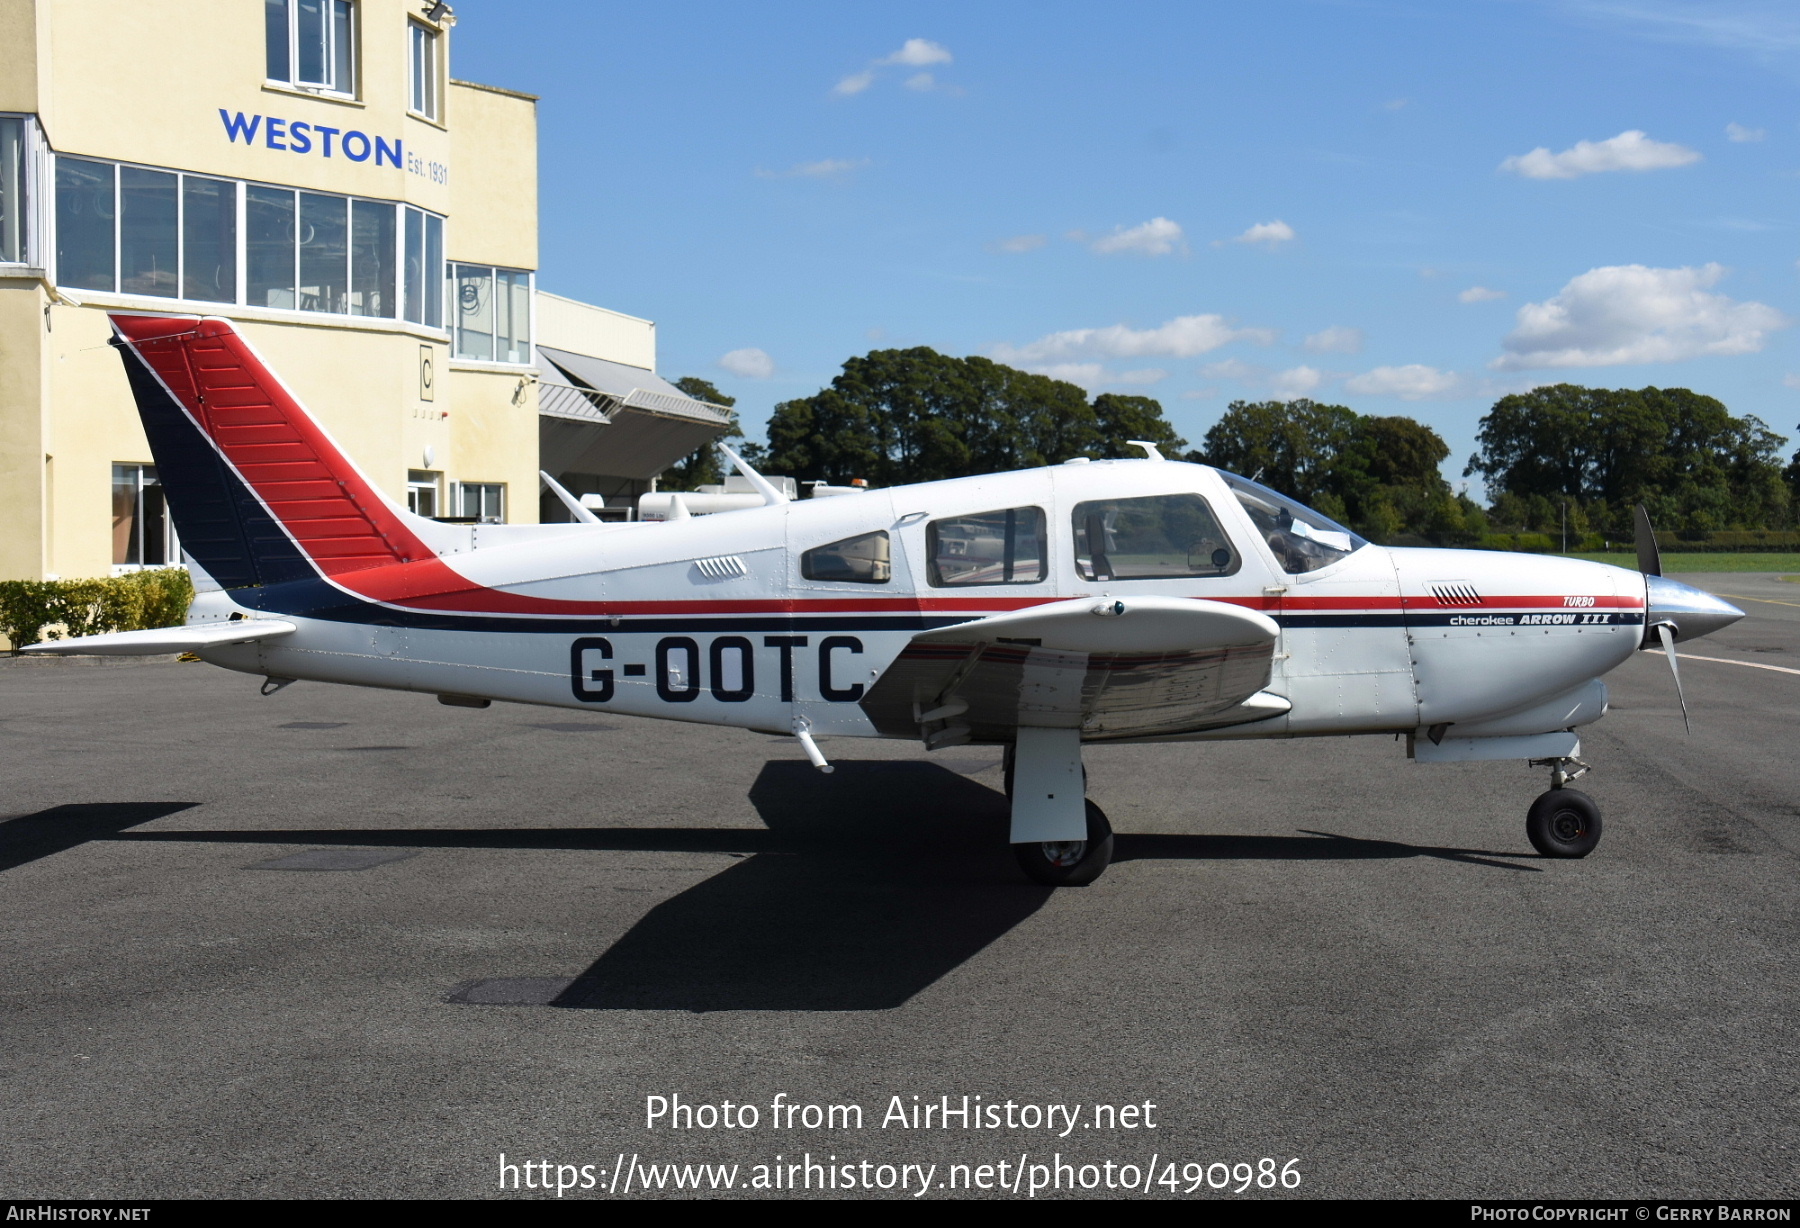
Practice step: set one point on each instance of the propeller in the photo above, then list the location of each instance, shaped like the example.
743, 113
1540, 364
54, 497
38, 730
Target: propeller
1649, 557
1665, 632
1650, 563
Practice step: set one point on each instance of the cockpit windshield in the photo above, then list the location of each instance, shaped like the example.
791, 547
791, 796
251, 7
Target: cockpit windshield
1301, 539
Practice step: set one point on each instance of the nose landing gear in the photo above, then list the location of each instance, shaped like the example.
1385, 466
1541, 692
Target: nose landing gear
1563, 822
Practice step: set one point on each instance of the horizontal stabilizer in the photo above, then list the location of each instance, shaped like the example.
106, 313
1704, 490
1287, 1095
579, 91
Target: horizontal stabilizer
166, 639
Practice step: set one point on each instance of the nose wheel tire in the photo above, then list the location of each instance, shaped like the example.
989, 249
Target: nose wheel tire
1563, 823
1070, 863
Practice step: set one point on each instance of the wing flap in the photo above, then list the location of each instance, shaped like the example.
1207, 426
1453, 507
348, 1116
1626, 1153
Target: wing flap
166, 639
1110, 668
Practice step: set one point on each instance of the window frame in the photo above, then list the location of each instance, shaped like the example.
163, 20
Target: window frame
419, 35
460, 508
1079, 544
350, 60
453, 280
37, 239
170, 544
807, 555
936, 579
432, 227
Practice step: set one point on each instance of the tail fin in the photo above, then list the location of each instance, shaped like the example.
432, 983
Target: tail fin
259, 492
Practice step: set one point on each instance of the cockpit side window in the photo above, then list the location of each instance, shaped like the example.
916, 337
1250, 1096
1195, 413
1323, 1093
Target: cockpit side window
1301, 539
865, 559
1001, 547
1159, 537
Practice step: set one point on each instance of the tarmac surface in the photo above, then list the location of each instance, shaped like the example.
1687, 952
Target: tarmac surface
264, 947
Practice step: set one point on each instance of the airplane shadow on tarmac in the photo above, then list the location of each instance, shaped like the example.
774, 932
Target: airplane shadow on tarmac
867, 886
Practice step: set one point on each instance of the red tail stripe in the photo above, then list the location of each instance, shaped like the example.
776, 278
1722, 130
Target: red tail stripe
336, 518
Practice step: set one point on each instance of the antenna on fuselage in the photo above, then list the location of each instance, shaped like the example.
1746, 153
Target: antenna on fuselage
764, 487
1151, 451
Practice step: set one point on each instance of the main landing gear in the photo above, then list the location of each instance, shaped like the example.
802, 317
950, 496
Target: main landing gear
1056, 844
1563, 822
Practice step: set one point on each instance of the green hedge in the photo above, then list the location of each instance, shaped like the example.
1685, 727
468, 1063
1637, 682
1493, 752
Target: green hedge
31, 610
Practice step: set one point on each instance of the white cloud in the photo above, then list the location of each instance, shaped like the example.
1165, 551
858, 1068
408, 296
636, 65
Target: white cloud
1396, 104
1234, 368
919, 53
1156, 237
1274, 234
1088, 374
1412, 382
1739, 133
1629, 151
1182, 337
1631, 314
914, 53
749, 363
1335, 340
1295, 382
1019, 243
824, 168
1144, 375
1791, 381
1479, 294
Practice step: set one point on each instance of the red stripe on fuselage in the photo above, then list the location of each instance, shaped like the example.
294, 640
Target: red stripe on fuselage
341, 523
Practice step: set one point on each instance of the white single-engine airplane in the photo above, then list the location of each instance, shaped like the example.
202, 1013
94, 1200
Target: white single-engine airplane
1111, 601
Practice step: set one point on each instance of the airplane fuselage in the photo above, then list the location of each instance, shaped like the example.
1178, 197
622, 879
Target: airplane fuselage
710, 619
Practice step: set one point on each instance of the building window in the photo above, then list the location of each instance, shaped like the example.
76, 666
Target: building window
142, 533
424, 268
482, 501
86, 210
423, 64
164, 234
311, 44
492, 319
14, 177
422, 492
208, 239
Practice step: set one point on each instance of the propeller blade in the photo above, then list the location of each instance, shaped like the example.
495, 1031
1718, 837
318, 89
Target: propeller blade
1666, 633
1649, 557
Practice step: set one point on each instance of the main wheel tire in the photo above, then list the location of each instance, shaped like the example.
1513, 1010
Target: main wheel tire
1563, 823
1070, 863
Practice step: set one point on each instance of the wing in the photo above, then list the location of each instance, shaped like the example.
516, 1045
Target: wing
1113, 668
167, 639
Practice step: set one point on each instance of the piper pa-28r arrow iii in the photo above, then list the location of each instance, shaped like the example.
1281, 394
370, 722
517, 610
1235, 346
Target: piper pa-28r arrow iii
1111, 601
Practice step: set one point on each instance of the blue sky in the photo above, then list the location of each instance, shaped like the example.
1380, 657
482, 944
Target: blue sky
1405, 208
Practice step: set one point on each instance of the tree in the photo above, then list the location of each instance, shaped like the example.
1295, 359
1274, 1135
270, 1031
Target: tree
898, 416
1122, 418
1293, 445
1598, 452
701, 467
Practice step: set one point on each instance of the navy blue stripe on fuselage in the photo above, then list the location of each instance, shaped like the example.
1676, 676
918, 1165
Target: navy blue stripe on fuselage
317, 599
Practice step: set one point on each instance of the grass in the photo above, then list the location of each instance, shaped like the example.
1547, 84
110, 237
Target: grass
1698, 561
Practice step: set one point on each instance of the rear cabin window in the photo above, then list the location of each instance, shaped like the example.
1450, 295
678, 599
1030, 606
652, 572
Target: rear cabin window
864, 559
1003, 547
1161, 537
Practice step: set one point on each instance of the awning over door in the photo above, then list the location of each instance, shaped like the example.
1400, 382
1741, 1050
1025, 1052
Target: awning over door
602, 417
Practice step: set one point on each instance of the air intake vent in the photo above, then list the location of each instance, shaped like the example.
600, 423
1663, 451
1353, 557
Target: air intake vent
725, 567
1455, 592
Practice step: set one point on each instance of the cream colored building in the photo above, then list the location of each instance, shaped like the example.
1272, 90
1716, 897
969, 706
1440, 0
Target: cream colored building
310, 169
